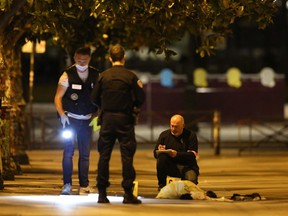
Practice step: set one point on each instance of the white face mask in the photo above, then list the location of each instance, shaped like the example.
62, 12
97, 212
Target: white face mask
81, 68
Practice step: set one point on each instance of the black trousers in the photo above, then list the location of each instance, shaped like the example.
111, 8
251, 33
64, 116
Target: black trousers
168, 166
116, 126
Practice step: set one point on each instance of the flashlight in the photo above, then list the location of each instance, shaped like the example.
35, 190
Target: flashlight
67, 133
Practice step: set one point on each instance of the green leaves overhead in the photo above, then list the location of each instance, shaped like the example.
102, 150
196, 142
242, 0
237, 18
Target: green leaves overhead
137, 23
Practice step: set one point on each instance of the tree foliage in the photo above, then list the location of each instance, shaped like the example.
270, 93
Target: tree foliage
134, 23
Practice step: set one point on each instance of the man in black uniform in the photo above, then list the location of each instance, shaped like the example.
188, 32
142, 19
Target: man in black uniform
176, 151
118, 93
73, 104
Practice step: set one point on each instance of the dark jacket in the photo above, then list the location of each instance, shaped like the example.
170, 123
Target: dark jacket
118, 90
183, 144
77, 97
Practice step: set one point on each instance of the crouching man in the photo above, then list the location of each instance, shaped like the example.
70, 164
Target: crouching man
176, 150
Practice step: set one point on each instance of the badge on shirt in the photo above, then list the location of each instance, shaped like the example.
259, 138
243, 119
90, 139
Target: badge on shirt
76, 86
74, 96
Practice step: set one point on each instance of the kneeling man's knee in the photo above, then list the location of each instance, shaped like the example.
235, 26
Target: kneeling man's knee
191, 175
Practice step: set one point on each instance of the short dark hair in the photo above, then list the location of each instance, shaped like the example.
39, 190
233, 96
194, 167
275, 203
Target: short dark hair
117, 52
83, 50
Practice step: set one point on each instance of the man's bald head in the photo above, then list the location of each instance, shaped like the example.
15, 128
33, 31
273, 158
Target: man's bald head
177, 124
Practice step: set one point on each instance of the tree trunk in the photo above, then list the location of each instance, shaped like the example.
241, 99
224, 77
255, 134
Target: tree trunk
12, 113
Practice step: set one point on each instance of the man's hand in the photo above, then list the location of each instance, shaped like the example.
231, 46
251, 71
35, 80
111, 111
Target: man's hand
161, 147
173, 153
64, 120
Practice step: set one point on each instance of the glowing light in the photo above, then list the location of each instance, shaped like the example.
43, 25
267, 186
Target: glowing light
71, 200
67, 133
40, 47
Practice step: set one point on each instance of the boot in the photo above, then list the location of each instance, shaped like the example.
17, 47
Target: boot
102, 198
129, 198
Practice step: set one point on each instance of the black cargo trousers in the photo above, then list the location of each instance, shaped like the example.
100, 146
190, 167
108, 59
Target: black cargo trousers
116, 126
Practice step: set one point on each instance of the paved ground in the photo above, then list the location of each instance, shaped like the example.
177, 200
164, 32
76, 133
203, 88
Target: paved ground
35, 192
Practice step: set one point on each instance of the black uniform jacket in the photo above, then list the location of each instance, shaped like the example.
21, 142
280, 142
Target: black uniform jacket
118, 90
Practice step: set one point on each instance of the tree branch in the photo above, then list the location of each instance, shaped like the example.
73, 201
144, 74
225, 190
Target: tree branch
6, 17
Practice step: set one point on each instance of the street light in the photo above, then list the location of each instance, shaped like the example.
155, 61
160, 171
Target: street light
32, 48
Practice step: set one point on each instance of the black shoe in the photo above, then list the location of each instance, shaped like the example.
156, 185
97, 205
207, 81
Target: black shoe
103, 199
211, 194
130, 199
186, 196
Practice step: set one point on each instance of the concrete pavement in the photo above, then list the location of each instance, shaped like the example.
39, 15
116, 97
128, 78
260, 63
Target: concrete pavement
35, 192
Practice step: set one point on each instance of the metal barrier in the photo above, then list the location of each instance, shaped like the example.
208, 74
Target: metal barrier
44, 127
262, 132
